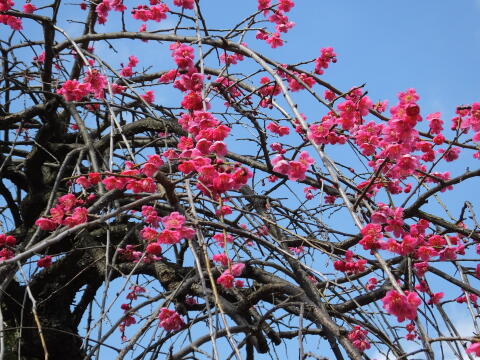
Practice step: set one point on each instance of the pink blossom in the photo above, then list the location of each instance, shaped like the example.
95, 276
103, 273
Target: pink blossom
40, 58
286, 5
358, 337
79, 216
448, 253
173, 221
153, 249
149, 97
371, 284
463, 299
318, 133
117, 89
158, 12
435, 123
451, 154
222, 238
97, 82
297, 169
170, 320
113, 182
150, 215
219, 148
186, 4
277, 129
46, 224
297, 250
410, 96
422, 286
129, 254
187, 232
420, 268
132, 61
224, 210
426, 252
372, 233
230, 59
168, 76
237, 269
12, 21
84, 182
102, 11
29, 8
190, 300
435, 298
6, 5
223, 182
264, 4
169, 237
148, 234
72, 90
274, 40
126, 71
401, 306
221, 258
57, 214
67, 201
474, 348
192, 101
327, 55
226, 280
296, 86
183, 55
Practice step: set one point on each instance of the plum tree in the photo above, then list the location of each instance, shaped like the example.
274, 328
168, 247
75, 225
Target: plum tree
185, 206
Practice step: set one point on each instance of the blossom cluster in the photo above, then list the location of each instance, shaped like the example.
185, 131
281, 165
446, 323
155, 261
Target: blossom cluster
104, 7
6, 5
278, 17
94, 83
14, 22
128, 318
348, 265
156, 12
227, 278
170, 320
403, 306
358, 337
174, 230
294, 169
416, 242
68, 212
127, 70
7, 242
327, 56
203, 151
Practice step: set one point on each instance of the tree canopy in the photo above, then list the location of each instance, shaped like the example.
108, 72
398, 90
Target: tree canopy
173, 189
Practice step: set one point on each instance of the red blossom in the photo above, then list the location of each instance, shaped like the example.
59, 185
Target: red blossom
44, 262
6, 5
